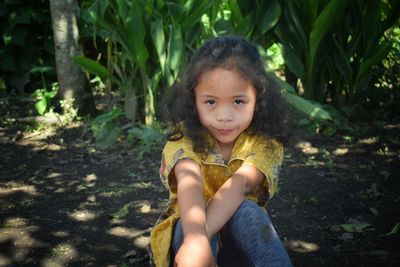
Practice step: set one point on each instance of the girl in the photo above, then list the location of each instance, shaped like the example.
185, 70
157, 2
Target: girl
222, 162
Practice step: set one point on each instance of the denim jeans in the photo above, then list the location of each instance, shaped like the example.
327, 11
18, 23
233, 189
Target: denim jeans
248, 239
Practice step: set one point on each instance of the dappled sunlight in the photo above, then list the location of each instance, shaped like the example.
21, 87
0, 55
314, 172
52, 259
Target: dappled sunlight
82, 215
369, 140
121, 231
60, 233
60, 255
17, 231
302, 246
340, 151
13, 187
141, 241
307, 148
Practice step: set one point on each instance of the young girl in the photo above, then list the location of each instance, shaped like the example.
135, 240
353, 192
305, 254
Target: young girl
221, 163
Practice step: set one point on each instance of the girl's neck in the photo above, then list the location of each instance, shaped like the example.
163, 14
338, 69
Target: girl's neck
226, 150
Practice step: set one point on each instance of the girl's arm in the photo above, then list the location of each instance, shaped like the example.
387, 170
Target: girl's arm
229, 197
196, 249
190, 197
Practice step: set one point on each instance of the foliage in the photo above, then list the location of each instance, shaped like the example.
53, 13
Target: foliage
43, 98
147, 139
332, 45
149, 42
25, 27
106, 129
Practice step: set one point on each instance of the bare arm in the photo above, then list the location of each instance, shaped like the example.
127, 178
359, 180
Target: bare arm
229, 197
190, 197
195, 250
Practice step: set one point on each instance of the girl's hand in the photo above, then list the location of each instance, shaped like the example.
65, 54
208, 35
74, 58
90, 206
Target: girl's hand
195, 252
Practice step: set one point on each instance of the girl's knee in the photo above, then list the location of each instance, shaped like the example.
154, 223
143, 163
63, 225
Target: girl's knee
248, 209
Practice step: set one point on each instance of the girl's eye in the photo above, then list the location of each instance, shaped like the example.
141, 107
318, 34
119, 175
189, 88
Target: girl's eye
238, 102
210, 102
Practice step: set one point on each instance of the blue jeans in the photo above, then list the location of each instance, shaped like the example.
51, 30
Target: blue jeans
248, 239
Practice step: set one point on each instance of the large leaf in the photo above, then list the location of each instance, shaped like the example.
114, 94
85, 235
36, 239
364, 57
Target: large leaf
136, 35
379, 54
311, 109
195, 11
158, 37
295, 65
267, 16
92, 66
325, 21
175, 48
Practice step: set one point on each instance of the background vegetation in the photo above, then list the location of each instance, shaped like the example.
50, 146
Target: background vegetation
335, 60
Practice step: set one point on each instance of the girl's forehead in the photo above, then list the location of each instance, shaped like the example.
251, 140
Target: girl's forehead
223, 83
221, 74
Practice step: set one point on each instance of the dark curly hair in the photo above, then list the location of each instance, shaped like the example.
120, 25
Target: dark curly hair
232, 53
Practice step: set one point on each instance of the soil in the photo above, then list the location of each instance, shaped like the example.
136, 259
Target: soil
65, 202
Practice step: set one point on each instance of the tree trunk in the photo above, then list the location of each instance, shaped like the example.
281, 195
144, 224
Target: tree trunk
74, 87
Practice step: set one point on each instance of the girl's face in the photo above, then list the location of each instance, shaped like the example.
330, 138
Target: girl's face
225, 102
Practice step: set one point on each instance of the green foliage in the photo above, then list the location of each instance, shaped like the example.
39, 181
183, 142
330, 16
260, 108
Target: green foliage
25, 28
106, 129
43, 98
332, 45
122, 212
147, 139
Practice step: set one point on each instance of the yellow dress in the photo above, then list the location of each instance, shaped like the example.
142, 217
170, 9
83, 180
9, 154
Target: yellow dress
265, 154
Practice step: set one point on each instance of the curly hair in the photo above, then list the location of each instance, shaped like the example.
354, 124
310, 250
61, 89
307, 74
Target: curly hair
231, 53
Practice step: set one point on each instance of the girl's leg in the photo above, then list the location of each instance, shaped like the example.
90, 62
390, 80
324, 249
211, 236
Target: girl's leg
250, 230
178, 240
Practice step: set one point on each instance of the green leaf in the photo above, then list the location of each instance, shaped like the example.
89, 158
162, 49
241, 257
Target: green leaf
325, 21
355, 227
195, 12
175, 48
157, 35
121, 213
313, 110
136, 31
107, 135
295, 65
394, 230
378, 55
92, 66
41, 69
236, 14
41, 105
268, 15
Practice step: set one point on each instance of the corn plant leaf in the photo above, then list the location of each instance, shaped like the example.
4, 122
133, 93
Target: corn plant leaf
175, 48
311, 109
268, 15
194, 11
135, 29
236, 14
295, 65
379, 53
92, 66
158, 37
324, 22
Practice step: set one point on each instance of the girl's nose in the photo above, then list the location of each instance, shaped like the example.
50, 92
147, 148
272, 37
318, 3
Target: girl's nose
224, 114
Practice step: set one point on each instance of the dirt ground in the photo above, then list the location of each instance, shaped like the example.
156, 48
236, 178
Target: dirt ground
64, 202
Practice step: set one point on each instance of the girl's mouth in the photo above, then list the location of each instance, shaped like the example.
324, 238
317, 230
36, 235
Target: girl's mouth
224, 131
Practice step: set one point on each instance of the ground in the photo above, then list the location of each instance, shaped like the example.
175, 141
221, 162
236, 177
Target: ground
65, 202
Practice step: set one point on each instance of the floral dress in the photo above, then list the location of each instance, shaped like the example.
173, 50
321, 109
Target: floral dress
265, 154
